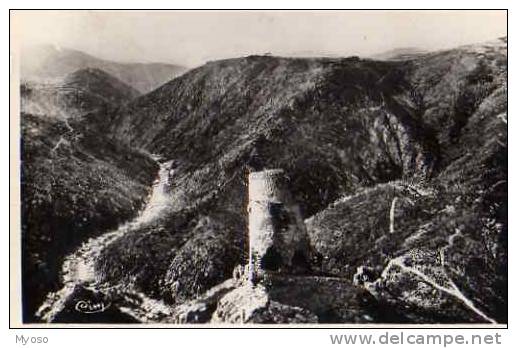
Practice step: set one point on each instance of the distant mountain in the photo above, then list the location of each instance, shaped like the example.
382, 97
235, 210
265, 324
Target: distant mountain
77, 94
48, 62
103, 84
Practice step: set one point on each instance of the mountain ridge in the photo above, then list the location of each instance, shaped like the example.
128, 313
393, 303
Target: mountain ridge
48, 62
76, 94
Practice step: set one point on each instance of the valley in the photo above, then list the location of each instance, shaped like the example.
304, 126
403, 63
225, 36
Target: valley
399, 168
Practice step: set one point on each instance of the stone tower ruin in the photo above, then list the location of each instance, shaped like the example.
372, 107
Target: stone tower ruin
278, 240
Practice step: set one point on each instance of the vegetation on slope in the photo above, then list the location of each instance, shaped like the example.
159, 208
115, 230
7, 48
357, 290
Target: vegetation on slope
75, 184
337, 126
79, 93
451, 228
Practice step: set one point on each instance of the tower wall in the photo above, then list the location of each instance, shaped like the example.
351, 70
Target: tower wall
276, 229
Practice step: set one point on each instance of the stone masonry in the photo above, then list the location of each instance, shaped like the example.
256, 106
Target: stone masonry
278, 240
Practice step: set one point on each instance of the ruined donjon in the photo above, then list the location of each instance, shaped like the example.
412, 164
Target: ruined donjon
278, 240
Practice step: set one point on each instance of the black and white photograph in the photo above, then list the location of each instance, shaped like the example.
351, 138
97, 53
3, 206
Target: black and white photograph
261, 167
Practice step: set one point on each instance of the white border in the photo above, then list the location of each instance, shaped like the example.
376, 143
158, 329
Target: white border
247, 337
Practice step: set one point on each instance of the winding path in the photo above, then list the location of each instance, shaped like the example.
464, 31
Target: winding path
78, 270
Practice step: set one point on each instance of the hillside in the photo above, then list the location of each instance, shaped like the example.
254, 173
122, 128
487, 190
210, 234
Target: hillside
400, 169
100, 82
75, 184
77, 94
46, 63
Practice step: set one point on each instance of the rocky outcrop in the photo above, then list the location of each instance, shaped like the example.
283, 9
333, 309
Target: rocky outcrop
285, 299
251, 304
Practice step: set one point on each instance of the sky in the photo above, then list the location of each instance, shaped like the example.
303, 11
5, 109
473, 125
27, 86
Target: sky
192, 38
